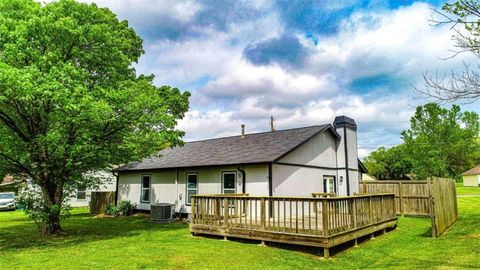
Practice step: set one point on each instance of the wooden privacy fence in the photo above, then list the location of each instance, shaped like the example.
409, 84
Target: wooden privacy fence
322, 222
411, 197
443, 204
100, 200
435, 198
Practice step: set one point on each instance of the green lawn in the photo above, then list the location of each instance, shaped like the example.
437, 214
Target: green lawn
135, 243
461, 190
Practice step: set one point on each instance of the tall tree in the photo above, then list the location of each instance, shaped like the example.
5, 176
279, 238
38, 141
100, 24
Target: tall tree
464, 16
389, 164
70, 101
442, 142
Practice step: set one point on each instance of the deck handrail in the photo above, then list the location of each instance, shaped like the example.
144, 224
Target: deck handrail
291, 197
323, 194
298, 215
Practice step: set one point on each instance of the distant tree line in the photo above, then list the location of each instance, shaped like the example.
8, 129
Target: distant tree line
440, 142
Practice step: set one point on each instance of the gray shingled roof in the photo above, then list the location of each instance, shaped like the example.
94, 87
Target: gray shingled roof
253, 148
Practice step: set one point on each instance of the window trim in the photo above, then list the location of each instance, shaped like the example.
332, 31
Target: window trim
187, 201
223, 182
334, 183
85, 194
142, 188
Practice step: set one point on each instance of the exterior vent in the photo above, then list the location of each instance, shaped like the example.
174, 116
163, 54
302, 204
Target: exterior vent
162, 212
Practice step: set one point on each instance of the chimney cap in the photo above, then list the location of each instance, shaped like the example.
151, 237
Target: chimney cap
344, 121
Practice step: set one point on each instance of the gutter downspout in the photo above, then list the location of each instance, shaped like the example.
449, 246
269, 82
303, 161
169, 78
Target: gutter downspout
178, 197
346, 160
116, 187
244, 179
270, 187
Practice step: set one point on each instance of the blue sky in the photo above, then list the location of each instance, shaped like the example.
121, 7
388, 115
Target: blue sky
301, 61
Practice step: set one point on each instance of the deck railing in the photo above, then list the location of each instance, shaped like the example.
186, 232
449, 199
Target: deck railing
299, 215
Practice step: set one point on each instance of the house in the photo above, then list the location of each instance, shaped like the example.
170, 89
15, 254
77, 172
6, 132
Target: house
11, 184
81, 196
368, 177
471, 178
291, 162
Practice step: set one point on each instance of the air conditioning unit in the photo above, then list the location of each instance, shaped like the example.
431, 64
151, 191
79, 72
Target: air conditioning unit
162, 212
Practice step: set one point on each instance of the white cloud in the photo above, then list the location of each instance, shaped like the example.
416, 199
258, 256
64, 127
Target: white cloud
400, 43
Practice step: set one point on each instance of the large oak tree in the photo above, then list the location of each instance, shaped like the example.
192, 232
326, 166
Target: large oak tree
70, 101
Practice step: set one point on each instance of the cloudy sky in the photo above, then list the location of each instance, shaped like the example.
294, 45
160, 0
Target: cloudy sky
302, 62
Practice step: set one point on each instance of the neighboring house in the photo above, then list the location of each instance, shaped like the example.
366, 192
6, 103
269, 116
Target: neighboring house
368, 177
81, 197
471, 178
11, 184
292, 162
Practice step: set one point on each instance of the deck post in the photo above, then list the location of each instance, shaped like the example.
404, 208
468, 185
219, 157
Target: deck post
372, 236
353, 213
262, 214
326, 253
225, 212
218, 208
356, 243
324, 217
193, 209
262, 243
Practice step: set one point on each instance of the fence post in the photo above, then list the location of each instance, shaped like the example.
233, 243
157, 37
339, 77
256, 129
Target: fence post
432, 206
370, 210
400, 199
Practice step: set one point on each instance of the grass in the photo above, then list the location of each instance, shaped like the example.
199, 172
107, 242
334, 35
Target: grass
135, 243
461, 190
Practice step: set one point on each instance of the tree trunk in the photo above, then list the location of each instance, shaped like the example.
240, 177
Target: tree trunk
52, 209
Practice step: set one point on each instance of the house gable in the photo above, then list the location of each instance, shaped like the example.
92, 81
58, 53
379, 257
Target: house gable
320, 150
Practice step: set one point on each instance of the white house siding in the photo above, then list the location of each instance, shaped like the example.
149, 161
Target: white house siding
471, 180
257, 180
318, 151
165, 189
108, 185
298, 181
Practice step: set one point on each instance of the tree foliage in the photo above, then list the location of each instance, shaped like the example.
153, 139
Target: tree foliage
70, 101
389, 164
442, 142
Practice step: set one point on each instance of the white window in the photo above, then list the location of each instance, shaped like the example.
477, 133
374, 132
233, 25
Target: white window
229, 180
145, 194
81, 193
192, 186
329, 184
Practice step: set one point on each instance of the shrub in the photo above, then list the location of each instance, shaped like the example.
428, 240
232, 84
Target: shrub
126, 208
35, 208
112, 210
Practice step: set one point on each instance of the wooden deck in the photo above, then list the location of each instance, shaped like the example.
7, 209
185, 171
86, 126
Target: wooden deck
319, 222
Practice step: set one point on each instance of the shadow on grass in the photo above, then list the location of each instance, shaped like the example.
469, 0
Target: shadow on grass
80, 228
